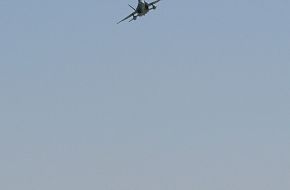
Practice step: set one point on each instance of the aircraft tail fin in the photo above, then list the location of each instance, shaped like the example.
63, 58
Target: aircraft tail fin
132, 7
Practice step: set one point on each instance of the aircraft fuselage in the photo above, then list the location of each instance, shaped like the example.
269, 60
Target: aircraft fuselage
142, 8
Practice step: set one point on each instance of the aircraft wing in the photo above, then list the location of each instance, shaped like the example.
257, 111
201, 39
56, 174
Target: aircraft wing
132, 14
154, 2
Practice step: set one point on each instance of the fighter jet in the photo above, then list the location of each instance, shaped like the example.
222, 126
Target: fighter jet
142, 9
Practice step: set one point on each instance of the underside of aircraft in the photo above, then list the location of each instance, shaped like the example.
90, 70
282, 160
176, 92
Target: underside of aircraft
142, 9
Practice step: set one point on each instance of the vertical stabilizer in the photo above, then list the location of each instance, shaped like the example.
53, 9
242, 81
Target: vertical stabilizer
132, 7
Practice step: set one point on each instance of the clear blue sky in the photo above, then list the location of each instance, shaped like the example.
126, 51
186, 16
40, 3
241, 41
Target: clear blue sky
194, 96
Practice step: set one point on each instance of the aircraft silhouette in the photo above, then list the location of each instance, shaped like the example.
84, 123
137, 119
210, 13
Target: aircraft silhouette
142, 9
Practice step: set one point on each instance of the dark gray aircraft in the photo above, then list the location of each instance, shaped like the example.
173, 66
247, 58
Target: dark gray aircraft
142, 9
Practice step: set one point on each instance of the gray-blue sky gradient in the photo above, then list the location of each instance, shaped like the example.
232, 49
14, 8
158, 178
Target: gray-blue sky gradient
196, 95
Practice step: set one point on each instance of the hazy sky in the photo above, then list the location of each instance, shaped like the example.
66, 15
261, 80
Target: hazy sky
194, 96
